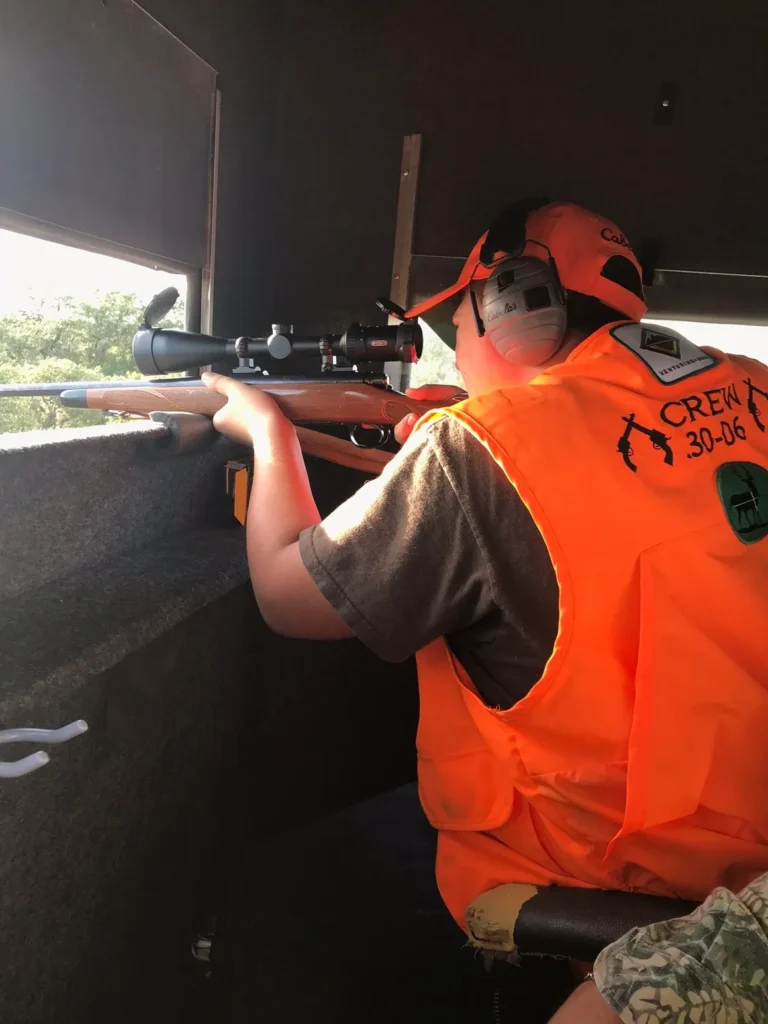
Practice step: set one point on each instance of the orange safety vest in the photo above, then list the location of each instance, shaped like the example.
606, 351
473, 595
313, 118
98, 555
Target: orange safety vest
639, 760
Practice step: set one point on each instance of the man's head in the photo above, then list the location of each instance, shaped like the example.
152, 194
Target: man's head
544, 277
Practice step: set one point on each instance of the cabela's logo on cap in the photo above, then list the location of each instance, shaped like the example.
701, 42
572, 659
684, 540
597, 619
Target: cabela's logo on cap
664, 344
610, 236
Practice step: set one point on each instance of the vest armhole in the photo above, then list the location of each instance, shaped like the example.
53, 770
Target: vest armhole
465, 414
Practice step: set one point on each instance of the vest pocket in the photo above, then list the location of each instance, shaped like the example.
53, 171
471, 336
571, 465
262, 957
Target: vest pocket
465, 784
467, 791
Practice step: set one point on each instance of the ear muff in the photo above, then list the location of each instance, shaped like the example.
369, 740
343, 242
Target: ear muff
523, 304
523, 309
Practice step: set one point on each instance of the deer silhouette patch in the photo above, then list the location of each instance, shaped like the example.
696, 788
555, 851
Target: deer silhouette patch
743, 490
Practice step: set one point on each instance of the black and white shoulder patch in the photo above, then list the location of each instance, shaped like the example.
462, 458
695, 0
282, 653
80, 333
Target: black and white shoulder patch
668, 355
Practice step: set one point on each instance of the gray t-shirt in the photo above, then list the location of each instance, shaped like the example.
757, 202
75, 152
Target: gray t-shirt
441, 545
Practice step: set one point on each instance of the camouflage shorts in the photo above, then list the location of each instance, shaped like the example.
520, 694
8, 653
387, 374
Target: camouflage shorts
711, 966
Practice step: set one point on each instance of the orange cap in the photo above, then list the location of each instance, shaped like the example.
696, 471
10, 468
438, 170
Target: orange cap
581, 244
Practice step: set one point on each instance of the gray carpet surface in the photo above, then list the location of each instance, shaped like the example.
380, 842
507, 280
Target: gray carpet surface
58, 633
76, 497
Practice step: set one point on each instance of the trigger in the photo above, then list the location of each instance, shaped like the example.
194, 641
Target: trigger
380, 438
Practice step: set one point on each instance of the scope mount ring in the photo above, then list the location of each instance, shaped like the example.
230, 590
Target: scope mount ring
384, 435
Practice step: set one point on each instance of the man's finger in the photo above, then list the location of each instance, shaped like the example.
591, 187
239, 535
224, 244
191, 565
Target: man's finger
435, 392
404, 428
218, 382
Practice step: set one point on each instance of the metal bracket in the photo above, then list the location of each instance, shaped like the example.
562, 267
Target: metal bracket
25, 765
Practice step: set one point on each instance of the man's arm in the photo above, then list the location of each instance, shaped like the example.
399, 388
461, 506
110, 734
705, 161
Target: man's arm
396, 565
281, 506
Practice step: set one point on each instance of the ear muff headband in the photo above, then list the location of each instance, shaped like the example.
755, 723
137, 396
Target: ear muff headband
507, 232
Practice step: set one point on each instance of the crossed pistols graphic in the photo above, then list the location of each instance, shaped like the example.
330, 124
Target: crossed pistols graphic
660, 441
656, 437
754, 412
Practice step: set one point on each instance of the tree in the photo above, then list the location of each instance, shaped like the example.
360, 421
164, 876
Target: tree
68, 341
438, 362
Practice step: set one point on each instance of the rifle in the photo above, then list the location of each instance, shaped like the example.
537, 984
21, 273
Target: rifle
340, 394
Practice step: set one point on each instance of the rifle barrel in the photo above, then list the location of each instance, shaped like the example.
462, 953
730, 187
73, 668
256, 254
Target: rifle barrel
44, 388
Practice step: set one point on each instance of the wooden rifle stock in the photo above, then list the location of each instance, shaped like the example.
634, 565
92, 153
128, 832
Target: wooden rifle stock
301, 401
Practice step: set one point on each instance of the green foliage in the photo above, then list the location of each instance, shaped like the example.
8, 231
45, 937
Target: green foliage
68, 341
437, 364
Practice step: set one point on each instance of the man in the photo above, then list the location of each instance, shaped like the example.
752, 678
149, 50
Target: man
578, 562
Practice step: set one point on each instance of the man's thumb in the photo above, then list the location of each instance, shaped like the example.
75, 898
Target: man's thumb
216, 382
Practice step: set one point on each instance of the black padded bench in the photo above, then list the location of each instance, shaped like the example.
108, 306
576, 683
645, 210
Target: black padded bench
572, 923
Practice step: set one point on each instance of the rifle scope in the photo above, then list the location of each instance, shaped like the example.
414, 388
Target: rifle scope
166, 350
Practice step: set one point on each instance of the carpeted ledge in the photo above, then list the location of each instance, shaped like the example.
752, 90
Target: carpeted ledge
76, 497
55, 635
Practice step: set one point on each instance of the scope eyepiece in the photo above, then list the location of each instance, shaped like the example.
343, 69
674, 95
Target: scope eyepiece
397, 343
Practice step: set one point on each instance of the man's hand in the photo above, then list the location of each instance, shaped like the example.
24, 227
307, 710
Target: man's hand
427, 393
248, 412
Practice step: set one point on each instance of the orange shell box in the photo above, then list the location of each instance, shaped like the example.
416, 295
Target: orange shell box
239, 476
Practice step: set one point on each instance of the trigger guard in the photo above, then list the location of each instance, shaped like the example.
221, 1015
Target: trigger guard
383, 436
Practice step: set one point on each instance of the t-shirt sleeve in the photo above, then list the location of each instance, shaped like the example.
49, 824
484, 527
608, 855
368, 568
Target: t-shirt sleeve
399, 560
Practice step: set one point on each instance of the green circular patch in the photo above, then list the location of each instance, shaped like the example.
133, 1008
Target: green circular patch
743, 490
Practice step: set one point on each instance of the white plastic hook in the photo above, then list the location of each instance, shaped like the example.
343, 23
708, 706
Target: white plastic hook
25, 765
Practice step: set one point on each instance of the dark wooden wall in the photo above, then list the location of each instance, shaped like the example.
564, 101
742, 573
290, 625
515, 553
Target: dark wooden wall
511, 98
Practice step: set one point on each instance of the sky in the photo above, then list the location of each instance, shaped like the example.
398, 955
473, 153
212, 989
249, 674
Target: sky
742, 338
748, 340
31, 268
